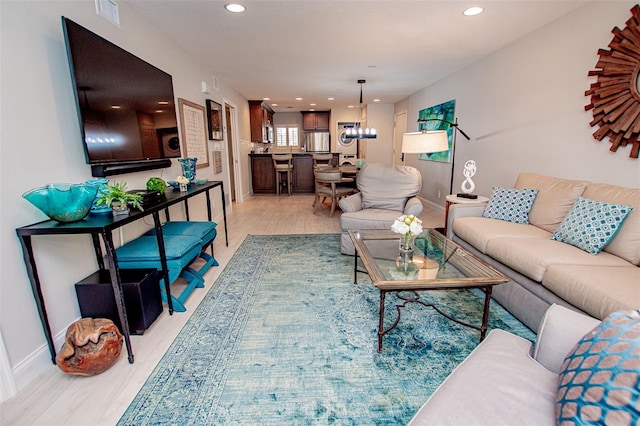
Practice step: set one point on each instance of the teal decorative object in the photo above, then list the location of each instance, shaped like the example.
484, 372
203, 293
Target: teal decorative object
62, 201
188, 167
101, 184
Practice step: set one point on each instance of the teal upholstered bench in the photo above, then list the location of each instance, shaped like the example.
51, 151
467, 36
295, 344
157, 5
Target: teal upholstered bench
204, 231
180, 250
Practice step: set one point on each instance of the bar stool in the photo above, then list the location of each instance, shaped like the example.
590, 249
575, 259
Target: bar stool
282, 163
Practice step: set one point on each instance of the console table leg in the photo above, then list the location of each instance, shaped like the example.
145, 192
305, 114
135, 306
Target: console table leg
116, 283
32, 271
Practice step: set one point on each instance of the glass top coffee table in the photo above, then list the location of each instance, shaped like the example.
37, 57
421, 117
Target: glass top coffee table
438, 264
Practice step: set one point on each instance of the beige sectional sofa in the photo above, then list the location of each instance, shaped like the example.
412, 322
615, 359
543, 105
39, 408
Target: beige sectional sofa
544, 271
505, 381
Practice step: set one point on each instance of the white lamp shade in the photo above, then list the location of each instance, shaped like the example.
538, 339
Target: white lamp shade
425, 142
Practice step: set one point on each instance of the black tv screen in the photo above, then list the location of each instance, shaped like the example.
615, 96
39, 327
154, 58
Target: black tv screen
126, 105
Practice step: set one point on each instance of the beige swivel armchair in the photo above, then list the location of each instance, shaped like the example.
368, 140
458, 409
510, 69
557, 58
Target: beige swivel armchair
386, 193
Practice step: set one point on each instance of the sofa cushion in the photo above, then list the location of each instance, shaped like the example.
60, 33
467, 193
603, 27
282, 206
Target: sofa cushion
484, 390
388, 187
477, 231
511, 205
554, 200
532, 256
591, 224
626, 243
597, 290
599, 377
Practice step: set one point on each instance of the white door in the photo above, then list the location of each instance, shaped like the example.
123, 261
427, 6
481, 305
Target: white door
399, 128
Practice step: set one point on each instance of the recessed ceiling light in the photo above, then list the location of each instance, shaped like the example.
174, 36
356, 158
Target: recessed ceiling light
312, 104
331, 99
376, 100
274, 104
266, 99
115, 106
234, 7
350, 106
472, 11
163, 102
298, 99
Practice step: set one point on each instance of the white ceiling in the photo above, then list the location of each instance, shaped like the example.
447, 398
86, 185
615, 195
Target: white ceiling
315, 49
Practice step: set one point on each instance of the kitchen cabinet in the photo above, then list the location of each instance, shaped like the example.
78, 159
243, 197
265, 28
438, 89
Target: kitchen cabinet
261, 121
303, 177
263, 177
315, 121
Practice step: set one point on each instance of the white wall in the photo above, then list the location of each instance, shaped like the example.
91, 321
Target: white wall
380, 149
41, 143
523, 108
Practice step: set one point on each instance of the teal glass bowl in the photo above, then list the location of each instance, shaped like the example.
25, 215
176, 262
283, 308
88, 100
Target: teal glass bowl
63, 202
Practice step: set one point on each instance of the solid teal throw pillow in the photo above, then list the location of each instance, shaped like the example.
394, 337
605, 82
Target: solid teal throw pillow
599, 382
509, 204
590, 224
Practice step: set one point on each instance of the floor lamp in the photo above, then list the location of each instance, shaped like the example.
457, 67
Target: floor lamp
424, 142
453, 144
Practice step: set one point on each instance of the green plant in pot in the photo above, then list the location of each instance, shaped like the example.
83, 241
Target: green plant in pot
117, 197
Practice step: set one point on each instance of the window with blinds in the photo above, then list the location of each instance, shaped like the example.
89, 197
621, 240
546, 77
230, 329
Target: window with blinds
287, 136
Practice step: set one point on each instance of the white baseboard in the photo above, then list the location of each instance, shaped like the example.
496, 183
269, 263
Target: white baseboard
36, 364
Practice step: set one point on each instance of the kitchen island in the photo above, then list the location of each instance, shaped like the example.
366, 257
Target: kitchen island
263, 177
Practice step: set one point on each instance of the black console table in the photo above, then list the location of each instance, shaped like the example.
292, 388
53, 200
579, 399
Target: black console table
101, 226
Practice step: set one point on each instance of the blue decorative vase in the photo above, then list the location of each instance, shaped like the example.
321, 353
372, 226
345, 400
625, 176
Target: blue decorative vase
188, 167
101, 184
62, 201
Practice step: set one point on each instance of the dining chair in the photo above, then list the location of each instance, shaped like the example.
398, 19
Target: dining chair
282, 164
322, 160
329, 184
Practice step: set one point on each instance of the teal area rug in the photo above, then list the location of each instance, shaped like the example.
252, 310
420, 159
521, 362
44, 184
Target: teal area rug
285, 337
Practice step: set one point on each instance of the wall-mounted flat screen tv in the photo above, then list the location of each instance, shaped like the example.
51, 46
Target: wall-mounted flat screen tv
126, 105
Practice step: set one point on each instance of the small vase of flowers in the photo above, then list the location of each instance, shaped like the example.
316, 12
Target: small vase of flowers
408, 226
183, 183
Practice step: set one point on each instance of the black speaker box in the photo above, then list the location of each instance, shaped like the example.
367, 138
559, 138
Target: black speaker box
141, 297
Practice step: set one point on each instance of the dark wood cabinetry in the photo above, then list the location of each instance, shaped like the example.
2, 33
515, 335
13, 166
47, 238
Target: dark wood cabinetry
303, 178
261, 121
315, 121
263, 178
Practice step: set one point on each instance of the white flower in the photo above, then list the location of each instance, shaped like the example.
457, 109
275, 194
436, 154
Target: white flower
407, 224
182, 180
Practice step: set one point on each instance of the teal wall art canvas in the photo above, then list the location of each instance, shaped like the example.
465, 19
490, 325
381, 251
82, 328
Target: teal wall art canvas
443, 111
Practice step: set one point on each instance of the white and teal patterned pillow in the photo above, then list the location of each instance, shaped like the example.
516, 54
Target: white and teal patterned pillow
510, 204
590, 224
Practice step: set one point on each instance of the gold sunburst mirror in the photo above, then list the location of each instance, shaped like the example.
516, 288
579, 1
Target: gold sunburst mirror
615, 96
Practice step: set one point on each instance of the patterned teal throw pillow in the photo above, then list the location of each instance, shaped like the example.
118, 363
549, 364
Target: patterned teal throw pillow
599, 382
590, 224
510, 204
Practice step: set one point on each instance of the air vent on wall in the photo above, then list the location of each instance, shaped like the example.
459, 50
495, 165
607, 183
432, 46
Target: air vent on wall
108, 9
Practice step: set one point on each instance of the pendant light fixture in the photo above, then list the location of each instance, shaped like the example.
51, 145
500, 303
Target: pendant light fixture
357, 132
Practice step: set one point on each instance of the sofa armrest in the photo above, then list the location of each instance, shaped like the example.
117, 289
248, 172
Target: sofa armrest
414, 206
352, 203
560, 330
462, 210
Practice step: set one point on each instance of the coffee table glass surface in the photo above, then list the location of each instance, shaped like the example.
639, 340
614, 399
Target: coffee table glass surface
438, 264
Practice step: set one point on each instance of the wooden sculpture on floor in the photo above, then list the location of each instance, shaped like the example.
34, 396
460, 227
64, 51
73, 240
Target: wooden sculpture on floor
91, 346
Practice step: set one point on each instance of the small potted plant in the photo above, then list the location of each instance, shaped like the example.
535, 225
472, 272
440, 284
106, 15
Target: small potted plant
118, 198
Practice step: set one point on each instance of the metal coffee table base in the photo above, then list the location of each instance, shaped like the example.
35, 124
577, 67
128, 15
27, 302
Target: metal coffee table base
416, 299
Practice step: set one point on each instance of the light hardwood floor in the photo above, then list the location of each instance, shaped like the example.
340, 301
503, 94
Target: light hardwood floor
60, 399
